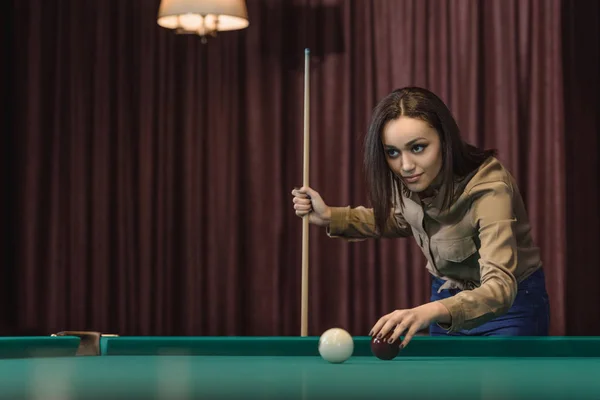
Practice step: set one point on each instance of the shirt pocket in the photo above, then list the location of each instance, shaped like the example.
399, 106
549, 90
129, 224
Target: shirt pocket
457, 258
455, 250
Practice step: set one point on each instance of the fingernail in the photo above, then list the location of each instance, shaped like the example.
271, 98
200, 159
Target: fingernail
379, 336
371, 333
391, 340
401, 346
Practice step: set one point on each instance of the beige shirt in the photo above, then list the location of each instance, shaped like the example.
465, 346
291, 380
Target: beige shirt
482, 244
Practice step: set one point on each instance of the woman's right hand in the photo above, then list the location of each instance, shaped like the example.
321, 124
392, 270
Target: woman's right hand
307, 201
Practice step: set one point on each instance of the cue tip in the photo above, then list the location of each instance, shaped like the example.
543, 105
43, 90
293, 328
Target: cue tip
307, 51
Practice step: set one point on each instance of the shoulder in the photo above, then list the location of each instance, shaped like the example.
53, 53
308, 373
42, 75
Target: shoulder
491, 176
490, 194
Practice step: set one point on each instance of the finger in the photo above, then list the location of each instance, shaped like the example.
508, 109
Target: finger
409, 335
299, 195
391, 323
313, 194
406, 323
302, 213
299, 200
377, 327
303, 207
297, 191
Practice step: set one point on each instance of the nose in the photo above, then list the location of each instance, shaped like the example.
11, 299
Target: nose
407, 164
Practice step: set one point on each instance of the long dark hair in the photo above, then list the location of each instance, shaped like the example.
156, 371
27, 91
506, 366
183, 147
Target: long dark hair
458, 157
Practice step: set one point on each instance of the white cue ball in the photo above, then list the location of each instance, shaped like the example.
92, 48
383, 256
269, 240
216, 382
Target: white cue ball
336, 345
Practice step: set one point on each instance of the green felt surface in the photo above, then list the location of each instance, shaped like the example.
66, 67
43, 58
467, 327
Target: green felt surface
38, 346
212, 377
290, 368
421, 346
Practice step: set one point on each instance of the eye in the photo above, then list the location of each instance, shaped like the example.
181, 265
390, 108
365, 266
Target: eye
391, 153
418, 148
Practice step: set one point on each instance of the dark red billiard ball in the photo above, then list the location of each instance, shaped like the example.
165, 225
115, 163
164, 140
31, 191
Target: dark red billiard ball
384, 350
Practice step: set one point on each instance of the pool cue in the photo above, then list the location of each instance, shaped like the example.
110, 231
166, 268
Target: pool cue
305, 225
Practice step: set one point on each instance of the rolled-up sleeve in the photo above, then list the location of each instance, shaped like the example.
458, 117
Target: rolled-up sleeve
494, 219
359, 224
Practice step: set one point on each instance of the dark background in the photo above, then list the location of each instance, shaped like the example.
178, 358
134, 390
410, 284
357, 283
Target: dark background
147, 175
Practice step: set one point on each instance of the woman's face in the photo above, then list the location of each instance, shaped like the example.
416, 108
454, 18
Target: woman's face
413, 152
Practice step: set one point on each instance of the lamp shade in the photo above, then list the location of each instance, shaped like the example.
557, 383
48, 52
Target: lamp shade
202, 16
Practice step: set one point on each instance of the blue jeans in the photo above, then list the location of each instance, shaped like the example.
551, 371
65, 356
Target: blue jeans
528, 316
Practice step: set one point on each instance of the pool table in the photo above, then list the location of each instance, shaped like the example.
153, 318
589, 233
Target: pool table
124, 367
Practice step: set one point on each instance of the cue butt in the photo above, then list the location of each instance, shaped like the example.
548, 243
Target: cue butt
305, 224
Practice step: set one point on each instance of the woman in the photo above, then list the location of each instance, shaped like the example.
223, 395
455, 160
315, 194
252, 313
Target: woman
464, 210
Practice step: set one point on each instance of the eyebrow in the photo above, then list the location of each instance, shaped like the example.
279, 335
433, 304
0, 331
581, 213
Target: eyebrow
407, 144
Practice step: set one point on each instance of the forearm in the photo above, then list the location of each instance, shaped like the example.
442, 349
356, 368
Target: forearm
359, 223
471, 308
438, 313
441, 313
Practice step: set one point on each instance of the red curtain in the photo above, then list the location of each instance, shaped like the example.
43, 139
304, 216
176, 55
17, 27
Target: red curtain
153, 172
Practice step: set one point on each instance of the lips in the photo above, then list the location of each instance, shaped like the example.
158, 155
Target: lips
412, 178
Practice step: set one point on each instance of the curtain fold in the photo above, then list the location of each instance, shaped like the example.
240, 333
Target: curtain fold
155, 171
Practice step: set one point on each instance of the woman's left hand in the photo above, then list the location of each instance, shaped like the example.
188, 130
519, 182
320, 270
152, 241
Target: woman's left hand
409, 321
